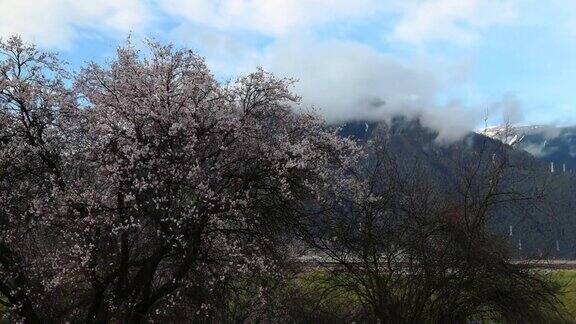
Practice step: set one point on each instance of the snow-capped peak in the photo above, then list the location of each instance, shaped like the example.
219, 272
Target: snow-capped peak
510, 135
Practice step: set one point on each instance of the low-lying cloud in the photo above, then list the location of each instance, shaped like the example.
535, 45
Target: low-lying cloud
347, 80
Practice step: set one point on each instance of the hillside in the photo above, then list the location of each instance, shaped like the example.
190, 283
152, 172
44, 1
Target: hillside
547, 230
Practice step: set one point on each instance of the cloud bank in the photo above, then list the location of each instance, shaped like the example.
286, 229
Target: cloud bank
347, 80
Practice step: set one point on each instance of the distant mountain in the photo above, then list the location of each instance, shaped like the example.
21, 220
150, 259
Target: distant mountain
548, 143
550, 230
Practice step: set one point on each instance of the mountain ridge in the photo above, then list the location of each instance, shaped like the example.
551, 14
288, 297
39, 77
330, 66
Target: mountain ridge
551, 233
552, 144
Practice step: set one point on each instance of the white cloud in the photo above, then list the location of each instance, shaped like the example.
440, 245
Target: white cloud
347, 80
457, 21
57, 23
416, 21
269, 17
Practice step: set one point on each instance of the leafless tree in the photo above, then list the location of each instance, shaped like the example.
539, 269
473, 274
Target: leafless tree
418, 250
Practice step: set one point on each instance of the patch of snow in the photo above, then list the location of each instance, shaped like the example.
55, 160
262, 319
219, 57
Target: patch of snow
511, 135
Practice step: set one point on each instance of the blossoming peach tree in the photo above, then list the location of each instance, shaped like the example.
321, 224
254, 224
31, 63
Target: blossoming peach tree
137, 190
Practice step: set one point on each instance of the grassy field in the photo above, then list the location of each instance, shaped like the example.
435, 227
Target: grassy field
567, 278
315, 281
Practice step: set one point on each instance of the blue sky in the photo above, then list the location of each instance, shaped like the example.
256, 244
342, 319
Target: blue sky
447, 61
